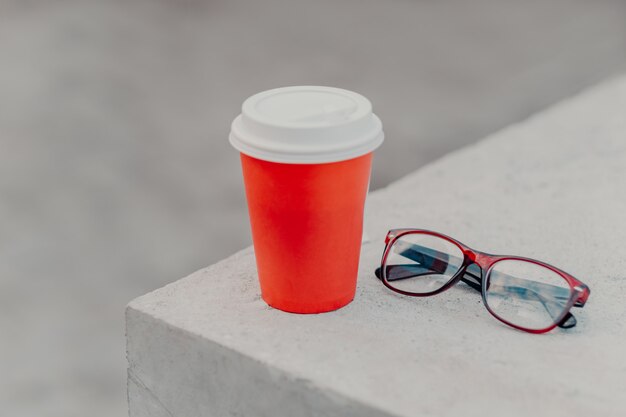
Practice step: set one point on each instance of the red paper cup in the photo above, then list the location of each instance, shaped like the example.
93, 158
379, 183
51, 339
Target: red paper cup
307, 223
306, 156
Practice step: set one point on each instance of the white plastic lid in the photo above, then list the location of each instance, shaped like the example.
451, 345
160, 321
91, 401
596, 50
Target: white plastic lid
306, 124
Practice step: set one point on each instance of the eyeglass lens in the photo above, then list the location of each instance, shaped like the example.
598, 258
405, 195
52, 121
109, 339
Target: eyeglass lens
420, 263
526, 294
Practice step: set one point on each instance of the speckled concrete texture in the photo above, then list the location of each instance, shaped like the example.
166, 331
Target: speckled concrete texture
553, 187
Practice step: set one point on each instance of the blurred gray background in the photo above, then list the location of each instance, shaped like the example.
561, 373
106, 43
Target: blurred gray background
116, 176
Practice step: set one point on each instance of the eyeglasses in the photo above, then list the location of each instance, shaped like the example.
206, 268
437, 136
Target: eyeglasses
524, 293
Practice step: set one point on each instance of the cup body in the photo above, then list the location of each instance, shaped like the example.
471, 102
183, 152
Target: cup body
307, 224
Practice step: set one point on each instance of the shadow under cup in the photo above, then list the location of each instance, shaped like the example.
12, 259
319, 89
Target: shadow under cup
307, 224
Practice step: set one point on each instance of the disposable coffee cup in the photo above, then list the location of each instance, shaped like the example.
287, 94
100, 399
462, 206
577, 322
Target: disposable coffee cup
306, 155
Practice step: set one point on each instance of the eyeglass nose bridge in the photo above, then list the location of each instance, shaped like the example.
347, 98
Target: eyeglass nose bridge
479, 258
470, 255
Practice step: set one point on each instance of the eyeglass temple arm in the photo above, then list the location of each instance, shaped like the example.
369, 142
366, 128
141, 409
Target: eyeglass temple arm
437, 261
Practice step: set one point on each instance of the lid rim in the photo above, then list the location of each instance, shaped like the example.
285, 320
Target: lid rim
307, 158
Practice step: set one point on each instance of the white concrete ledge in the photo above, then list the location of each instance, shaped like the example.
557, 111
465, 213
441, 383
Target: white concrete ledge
552, 187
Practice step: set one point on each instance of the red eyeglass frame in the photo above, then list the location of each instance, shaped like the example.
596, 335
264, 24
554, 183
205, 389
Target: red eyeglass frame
578, 295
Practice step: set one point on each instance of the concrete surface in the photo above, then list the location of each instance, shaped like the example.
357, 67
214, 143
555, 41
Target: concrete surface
116, 175
553, 188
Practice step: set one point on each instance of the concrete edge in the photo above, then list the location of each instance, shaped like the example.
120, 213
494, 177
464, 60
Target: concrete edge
617, 79
297, 383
